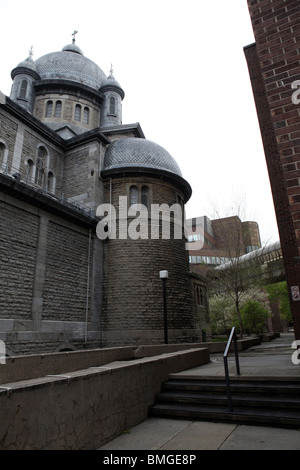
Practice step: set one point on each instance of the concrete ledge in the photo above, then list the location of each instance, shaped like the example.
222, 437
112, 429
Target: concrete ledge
269, 337
219, 347
37, 365
86, 408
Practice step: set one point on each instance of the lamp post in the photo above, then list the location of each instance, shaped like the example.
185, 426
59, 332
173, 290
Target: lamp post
164, 276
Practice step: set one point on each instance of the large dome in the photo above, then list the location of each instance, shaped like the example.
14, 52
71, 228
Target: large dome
136, 152
70, 64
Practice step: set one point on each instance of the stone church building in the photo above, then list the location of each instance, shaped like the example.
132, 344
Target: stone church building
64, 152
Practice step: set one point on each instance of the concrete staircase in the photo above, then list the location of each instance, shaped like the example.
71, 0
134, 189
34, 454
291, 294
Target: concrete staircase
272, 401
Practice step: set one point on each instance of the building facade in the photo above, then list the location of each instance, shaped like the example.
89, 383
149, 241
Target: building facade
274, 69
215, 242
67, 281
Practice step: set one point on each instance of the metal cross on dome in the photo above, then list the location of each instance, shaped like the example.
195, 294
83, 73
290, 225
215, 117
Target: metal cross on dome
73, 34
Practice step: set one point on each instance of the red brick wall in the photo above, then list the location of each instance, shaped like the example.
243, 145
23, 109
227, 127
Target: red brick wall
274, 66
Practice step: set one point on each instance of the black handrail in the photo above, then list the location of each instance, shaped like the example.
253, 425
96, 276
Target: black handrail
233, 337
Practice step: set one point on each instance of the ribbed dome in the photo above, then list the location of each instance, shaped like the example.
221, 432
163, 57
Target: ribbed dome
29, 66
72, 48
135, 152
70, 64
28, 63
110, 83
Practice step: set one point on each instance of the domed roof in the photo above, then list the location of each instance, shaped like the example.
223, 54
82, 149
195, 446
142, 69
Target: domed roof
70, 64
27, 64
137, 152
111, 83
143, 157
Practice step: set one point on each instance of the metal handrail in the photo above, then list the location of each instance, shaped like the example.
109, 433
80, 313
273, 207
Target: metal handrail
232, 337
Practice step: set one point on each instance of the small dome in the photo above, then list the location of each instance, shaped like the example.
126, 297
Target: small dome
110, 83
137, 152
73, 48
27, 64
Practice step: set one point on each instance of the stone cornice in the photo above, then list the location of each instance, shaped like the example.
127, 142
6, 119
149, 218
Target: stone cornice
160, 174
38, 198
68, 87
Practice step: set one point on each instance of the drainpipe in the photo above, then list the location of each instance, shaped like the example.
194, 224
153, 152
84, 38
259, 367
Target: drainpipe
87, 287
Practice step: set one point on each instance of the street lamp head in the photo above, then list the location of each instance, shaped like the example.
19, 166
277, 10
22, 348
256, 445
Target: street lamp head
163, 274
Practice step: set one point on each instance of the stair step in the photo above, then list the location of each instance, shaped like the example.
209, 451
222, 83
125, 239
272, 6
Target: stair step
236, 385
279, 401
275, 402
257, 415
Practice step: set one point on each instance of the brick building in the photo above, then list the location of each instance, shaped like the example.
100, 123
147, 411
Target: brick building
274, 68
64, 152
214, 242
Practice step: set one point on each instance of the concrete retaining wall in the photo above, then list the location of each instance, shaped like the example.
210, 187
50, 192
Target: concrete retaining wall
86, 408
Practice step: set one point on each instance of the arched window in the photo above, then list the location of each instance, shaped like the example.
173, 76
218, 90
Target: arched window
78, 112
50, 182
86, 115
112, 105
23, 89
3, 156
145, 196
57, 112
49, 107
2, 150
29, 174
133, 195
40, 166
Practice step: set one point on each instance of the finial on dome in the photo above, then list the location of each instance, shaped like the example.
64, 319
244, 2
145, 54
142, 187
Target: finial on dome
111, 69
73, 34
30, 52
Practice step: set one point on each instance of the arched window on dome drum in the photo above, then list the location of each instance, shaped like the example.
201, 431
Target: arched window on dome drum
133, 195
112, 105
86, 115
23, 89
145, 196
78, 112
49, 107
57, 112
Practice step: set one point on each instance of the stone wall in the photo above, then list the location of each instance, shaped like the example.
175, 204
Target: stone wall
49, 270
18, 246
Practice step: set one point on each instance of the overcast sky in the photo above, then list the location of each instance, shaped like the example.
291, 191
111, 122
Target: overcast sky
185, 77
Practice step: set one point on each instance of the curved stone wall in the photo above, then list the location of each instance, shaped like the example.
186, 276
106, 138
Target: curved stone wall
133, 294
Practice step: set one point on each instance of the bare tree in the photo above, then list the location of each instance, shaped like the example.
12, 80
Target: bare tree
234, 277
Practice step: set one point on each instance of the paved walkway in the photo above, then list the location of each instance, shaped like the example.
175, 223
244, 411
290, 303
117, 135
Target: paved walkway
268, 359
